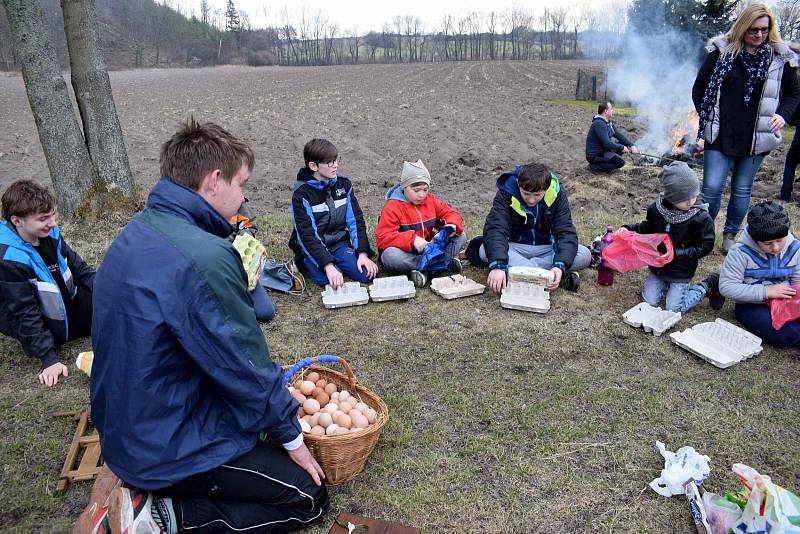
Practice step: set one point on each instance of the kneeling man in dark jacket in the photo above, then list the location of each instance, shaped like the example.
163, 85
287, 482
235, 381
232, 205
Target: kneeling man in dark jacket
604, 143
182, 381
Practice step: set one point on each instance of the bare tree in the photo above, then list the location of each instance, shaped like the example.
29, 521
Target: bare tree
491, 29
788, 14
398, 25
205, 12
354, 43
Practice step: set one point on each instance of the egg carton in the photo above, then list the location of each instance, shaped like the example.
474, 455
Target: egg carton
392, 288
349, 294
531, 275
456, 286
526, 297
719, 343
253, 255
650, 318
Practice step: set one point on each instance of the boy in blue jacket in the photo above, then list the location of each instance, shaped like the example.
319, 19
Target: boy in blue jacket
45, 287
329, 239
182, 382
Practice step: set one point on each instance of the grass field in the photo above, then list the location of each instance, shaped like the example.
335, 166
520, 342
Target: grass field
501, 421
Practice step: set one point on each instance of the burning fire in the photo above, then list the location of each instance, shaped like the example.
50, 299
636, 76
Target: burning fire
683, 142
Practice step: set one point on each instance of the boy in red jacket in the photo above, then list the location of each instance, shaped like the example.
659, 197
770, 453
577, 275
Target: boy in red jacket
410, 219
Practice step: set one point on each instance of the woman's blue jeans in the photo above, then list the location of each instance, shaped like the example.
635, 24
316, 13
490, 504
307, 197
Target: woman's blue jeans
716, 167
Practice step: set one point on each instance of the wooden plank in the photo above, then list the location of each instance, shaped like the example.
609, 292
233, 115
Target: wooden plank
72, 453
91, 438
91, 455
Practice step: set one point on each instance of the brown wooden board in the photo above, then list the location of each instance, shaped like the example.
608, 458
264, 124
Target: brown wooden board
374, 526
83, 441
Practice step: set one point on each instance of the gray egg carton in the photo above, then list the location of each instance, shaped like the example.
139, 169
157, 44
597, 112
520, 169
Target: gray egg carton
526, 297
456, 286
392, 288
719, 343
650, 318
349, 294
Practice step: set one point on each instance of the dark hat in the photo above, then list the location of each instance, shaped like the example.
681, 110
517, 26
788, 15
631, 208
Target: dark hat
767, 220
679, 183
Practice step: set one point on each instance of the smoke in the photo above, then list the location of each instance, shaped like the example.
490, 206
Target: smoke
655, 75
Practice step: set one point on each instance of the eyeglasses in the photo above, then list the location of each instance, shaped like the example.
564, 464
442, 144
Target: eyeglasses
756, 31
331, 163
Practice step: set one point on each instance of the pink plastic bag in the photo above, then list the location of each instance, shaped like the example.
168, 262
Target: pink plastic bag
630, 251
785, 310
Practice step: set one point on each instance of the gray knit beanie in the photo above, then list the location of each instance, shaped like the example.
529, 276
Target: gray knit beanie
767, 220
679, 183
414, 173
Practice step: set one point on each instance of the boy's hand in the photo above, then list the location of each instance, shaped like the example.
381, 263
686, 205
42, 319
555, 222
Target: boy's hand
49, 376
780, 291
364, 261
302, 457
557, 274
335, 278
419, 244
496, 280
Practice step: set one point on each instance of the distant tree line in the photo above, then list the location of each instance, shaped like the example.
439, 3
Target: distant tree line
148, 33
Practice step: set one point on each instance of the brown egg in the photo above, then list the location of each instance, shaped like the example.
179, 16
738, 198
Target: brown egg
314, 419
323, 398
344, 421
341, 431
307, 387
297, 383
354, 411
331, 388
316, 392
345, 407
336, 414
317, 431
335, 396
299, 397
313, 376
331, 407
371, 415
325, 420
311, 406
300, 412
360, 421
321, 383
361, 407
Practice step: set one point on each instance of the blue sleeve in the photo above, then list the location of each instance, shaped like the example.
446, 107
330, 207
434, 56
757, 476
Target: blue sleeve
600, 130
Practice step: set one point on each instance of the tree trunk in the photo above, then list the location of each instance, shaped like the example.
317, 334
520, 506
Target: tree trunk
93, 92
67, 158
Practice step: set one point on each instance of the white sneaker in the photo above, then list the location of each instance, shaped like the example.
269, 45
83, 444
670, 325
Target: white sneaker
129, 512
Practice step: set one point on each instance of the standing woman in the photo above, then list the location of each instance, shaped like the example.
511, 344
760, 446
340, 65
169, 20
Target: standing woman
745, 89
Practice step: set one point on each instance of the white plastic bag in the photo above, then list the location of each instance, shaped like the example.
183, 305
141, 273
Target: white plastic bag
679, 467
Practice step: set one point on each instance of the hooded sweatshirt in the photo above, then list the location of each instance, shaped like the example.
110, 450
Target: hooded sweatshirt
326, 217
747, 270
401, 221
549, 222
601, 138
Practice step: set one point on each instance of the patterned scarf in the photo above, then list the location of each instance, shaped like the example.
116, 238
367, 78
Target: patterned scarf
673, 216
755, 65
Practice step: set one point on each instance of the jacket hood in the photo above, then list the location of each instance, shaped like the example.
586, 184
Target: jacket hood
745, 239
507, 182
782, 49
305, 176
396, 193
599, 117
168, 196
10, 237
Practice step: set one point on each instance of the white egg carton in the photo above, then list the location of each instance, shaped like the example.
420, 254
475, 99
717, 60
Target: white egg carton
531, 275
349, 294
719, 343
650, 318
456, 286
392, 288
526, 297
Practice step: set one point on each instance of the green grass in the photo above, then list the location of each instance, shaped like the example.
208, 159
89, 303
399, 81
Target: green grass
589, 105
501, 421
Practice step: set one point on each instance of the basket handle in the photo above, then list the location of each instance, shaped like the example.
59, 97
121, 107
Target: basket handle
322, 358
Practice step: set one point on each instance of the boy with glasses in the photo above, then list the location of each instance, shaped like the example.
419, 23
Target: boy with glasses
329, 239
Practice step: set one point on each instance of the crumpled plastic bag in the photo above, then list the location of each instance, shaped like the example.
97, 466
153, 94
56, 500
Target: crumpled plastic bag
679, 467
770, 508
630, 251
722, 514
785, 310
433, 256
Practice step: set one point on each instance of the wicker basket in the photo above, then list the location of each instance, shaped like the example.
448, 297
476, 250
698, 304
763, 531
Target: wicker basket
341, 457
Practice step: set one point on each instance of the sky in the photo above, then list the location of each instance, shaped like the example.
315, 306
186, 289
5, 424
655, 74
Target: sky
370, 15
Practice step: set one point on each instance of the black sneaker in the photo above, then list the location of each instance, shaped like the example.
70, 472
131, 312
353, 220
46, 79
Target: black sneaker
473, 252
454, 266
570, 281
418, 278
712, 291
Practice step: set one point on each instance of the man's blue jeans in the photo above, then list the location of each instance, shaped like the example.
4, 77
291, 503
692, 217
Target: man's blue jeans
716, 167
